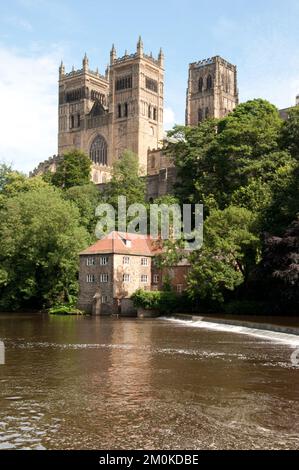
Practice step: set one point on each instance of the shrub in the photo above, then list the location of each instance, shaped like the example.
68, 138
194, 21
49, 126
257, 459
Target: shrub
65, 309
164, 302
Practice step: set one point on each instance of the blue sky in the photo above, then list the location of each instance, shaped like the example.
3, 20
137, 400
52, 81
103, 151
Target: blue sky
260, 37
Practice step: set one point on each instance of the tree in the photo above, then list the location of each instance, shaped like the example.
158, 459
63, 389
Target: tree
289, 138
5, 171
40, 238
86, 198
278, 271
190, 148
126, 181
217, 158
230, 250
73, 170
18, 183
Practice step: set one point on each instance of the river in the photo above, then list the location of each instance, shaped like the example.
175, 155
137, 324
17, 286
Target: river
102, 383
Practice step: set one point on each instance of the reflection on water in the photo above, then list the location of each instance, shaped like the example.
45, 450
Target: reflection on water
98, 383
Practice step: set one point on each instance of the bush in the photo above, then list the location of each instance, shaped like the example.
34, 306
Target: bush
65, 309
164, 302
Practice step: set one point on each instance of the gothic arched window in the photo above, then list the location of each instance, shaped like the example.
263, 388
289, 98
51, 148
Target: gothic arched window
200, 84
209, 82
200, 115
98, 151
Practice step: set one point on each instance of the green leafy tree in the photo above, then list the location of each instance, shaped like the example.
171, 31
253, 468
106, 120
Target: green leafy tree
218, 158
278, 273
191, 150
5, 171
126, 181
86, 198
19, 183
289, 138
73, 170
284, 205
40, 238
230, 250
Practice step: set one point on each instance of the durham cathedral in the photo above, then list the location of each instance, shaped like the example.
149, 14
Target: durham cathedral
122, 109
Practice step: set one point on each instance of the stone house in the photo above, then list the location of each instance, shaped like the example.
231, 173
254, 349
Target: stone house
113, 268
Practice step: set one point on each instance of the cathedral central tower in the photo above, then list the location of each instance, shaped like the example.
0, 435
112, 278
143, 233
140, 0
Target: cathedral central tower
104, 115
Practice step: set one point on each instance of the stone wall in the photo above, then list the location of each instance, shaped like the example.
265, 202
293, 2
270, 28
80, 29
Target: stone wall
48, 165
89, 289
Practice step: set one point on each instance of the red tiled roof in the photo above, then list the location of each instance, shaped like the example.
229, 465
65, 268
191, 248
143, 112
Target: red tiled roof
115, 242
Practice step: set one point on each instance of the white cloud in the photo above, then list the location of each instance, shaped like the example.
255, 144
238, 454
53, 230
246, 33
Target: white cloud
28, 118
169, 118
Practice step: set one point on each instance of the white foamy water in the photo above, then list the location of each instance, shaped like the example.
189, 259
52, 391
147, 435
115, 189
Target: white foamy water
274, 336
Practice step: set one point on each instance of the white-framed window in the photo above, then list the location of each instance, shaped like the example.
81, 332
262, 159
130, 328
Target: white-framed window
126, 260
144, 278
103, 260
90, 261
156, 278
179, 288
144, 261
105, 299
104, 277
90, 278
126, 278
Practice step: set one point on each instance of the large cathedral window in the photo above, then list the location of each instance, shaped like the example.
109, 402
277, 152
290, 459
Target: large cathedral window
98, 151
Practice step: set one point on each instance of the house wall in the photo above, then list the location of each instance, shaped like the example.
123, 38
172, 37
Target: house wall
135, 270
87, 290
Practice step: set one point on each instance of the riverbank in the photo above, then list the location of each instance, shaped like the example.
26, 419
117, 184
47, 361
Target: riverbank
287, 325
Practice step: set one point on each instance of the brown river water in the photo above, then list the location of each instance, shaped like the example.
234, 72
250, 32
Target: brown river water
102, 383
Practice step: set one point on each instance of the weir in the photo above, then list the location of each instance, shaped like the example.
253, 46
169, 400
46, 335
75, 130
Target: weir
257, 332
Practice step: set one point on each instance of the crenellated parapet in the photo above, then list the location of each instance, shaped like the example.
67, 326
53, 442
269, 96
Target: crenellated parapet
159, 61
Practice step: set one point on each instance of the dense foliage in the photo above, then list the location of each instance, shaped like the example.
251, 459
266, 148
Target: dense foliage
245, 170
73, 170
126, 181
279, 269
164, 302
40, 238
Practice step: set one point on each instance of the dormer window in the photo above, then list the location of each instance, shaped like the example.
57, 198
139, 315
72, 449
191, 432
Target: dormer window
126, 242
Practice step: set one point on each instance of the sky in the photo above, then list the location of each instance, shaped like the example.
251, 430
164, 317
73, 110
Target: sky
260, 37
